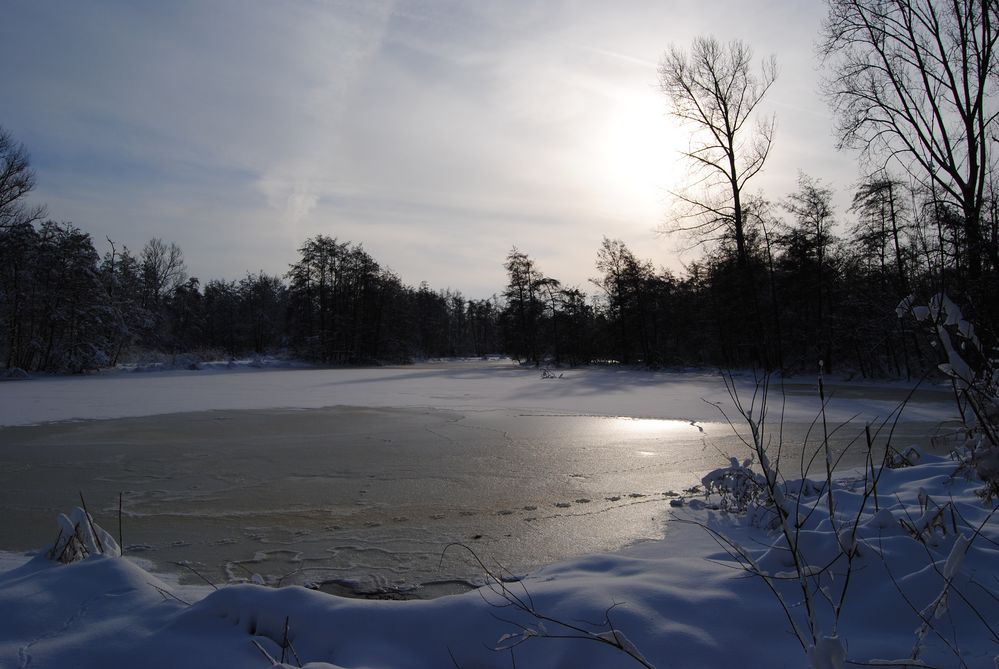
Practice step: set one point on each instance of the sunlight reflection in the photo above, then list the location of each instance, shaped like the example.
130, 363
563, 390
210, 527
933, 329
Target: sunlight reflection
649, 426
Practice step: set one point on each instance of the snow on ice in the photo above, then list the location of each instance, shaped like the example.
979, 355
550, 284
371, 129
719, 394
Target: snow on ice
908, 580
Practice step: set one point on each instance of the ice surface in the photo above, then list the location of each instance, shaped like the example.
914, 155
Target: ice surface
365, 499
478, 439
453, 385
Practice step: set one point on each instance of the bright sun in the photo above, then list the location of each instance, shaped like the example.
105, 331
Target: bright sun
639, 150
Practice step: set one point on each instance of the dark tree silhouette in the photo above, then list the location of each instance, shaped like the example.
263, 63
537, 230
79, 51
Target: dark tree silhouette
881, 227
17, 179
913, 83
524, 307
712, 88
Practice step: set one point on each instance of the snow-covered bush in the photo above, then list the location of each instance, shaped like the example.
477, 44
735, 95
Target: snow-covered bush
974, 374
80, 537
833, 538
14, 374
737, 486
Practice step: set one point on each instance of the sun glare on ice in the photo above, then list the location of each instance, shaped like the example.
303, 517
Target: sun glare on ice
649, 426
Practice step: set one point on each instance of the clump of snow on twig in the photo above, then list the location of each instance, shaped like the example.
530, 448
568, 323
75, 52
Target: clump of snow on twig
80, 537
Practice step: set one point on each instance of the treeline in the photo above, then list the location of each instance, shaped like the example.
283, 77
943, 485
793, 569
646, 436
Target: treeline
64, 308
810, 290
343, 307
800, 287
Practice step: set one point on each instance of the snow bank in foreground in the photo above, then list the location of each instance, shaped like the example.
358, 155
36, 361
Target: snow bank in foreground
679, 602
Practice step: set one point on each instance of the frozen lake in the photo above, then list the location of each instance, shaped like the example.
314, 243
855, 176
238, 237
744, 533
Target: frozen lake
367, 490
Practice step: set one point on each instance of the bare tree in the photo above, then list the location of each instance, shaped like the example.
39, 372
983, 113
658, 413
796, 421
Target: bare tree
17, 179
881, 224
913, 82
713, 88
163, 268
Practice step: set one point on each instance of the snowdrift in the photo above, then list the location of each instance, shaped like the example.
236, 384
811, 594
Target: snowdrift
921, 591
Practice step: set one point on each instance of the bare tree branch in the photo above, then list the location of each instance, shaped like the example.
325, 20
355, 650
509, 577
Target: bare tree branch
713, 89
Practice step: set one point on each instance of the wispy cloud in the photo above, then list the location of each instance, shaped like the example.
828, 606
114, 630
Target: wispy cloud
438, 133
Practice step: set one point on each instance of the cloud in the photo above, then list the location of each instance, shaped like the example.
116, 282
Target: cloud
338, 50
438, 133
295, 200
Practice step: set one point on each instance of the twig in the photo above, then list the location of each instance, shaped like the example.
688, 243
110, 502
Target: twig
263, 652
52, 555
167, 593
919, 614
196, 573
121, 539
90, 521
286, 643
525, 604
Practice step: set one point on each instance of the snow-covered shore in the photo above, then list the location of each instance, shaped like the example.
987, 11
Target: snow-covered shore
915, 586
680, 602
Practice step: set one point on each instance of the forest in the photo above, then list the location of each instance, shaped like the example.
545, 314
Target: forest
812, 295
783, 283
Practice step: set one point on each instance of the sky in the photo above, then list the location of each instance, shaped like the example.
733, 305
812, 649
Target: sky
439, 134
